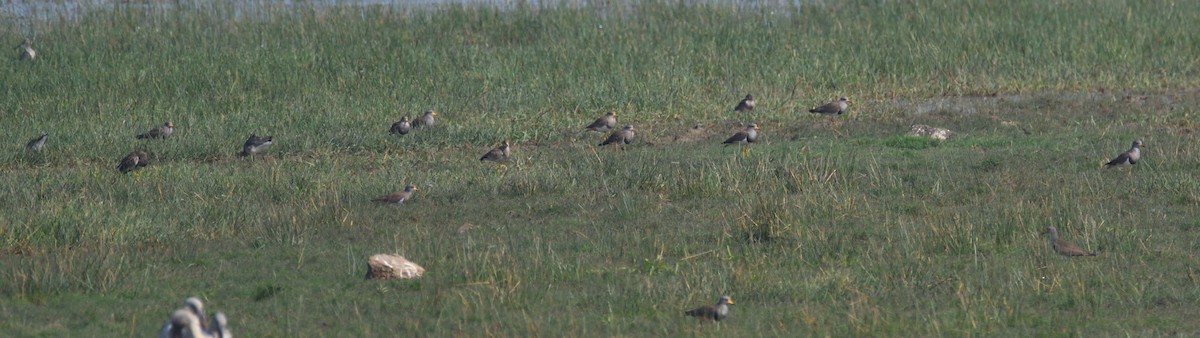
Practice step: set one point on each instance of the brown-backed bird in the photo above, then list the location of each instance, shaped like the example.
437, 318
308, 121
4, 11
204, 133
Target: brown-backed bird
1127, 158
398, 197
426, 120
1063, 247
717, 311
620, 137
499, 153
833, 108
746, 105
604, 123
745, 136
159, 132
134, 160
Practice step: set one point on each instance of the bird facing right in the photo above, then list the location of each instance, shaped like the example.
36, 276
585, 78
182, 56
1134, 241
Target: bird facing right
620, 137
27, 52
397, 198
254, 144
134, 160
1127, 158
604, 123
833, 108
159, 132
499, 153
401, 127
715, 312
1063, 247
746, 105
745, 136
426, 120
37, 143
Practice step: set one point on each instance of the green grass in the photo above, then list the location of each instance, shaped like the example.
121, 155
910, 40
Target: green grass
827, 227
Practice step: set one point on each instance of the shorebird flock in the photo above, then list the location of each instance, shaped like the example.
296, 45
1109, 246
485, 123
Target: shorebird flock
190, 320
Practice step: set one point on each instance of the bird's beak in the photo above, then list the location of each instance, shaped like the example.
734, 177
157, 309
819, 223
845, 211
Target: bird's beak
730, 302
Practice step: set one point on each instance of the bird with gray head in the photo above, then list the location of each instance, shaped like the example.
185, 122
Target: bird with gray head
134, 160
746, 105
499, 153
159, 132
714, 312
833, 108
620, 137
37, 143
1127, 158
1062, 247
401, 127
604, 123
254, 144
27, 52
220, 326
397, 198
426, 120
745, 136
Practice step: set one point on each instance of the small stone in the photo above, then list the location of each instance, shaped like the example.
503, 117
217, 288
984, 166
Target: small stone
383, 266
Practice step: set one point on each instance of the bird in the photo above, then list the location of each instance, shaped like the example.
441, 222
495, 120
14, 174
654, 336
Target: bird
254, 144
27, 52
717, 311
746, 105
604, 123
220, 326
159, 132
401, 127
1127, 158
426, 120
744, 136
833, 108
499, 153
134, 160
620, 137
187, 321
398, 197
37, 143
183, 324
1063, 247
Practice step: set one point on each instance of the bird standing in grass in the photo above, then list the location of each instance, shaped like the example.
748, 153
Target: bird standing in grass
401, 127
37, 143
397, 198
159, 132
27, 52
746, 105
499, 153
620, 137
254, 144
134, 160
1063, 247
1128, 158
714, 312
189, 322
833, 108
604, 123
426, 120
744, 137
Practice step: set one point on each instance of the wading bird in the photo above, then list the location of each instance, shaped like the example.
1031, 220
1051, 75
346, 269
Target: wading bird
27, 52
744, 137
1128, 158
620, 137
134, 160
426, 120
37, 143
833, 108
401, 127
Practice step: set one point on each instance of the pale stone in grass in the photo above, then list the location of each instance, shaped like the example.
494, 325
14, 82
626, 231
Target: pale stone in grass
384, 266
932, 132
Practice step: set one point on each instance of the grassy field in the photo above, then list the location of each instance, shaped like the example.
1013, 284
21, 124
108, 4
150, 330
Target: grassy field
827, 227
